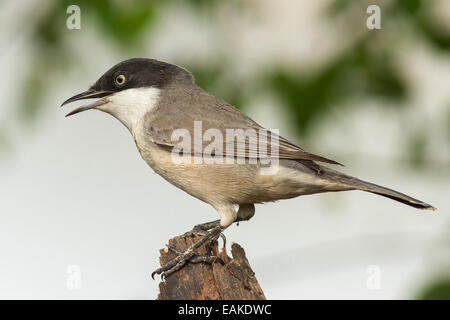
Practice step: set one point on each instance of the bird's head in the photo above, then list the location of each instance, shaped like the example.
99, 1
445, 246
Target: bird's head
130, 88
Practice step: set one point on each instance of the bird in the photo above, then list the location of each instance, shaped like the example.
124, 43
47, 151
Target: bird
163, 107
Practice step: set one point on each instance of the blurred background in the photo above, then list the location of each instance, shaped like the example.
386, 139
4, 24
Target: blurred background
82, 216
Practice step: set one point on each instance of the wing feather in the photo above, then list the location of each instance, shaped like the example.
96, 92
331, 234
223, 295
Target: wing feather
218, 115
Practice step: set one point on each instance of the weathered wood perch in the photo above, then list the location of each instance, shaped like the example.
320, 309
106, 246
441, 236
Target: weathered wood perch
232, 280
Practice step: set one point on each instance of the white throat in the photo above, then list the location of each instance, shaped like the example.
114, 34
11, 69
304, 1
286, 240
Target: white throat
129, 106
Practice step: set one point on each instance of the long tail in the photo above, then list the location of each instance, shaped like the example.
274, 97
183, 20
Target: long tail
352, 183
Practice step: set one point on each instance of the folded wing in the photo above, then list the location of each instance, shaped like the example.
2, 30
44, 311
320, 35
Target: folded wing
212, 117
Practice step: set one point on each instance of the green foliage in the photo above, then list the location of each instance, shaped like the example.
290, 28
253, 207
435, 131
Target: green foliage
359, 71
416, 149
124, 21
418, 15
365, 68
448, 123
210, 78
438, 289
4, 140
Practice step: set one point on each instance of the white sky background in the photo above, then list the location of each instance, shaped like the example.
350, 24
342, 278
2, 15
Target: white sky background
74, 191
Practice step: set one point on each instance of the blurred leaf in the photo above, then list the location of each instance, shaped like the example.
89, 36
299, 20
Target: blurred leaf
417, 13
338, 7
367, 68
124, 23
438, 289
201, 4
416, 149
32, 98
412, 7
206, 5
4, 140
436, 36
448, 122
37, 84
210, 78
419, 16
357, 72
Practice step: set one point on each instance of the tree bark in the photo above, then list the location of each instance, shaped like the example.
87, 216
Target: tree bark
232, 280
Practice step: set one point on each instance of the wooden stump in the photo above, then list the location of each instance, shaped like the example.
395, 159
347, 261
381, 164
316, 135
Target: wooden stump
232, 280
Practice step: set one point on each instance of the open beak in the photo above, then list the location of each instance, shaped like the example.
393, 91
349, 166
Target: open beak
89, 94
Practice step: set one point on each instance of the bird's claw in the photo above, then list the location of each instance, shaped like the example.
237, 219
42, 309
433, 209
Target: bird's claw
190, 255
181, 259
202, 229
194, 232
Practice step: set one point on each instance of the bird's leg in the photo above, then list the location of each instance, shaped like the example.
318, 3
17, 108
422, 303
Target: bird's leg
245, 213
178, 262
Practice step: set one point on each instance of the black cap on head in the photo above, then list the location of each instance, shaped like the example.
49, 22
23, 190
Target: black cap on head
141, 72
133, 73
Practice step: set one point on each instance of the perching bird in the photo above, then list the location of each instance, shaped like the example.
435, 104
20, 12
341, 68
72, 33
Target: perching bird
161, 106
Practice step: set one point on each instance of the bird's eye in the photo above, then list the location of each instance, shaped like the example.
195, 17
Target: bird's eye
120, 80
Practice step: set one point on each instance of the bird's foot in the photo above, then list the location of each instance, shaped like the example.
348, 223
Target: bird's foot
203, 228
181, 259
190, 255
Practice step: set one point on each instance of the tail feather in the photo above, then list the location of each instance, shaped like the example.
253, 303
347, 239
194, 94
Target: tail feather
395, 195
349, 182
